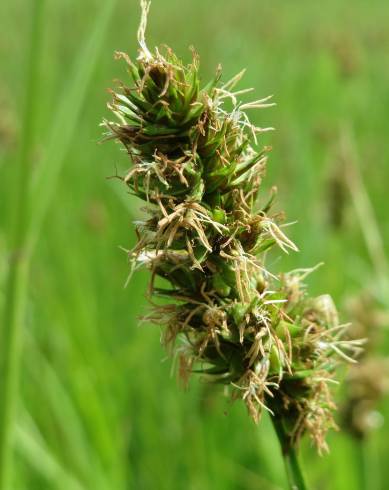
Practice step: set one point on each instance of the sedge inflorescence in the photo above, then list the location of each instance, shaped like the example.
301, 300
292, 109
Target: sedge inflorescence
196, 164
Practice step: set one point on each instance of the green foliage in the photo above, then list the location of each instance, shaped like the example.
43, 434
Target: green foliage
98, 408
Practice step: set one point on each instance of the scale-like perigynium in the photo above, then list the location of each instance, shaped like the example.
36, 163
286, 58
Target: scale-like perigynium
227, 316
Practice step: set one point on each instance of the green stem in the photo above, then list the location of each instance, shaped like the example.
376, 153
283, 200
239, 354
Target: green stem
368, 466
360, 457
15, 294
293, 470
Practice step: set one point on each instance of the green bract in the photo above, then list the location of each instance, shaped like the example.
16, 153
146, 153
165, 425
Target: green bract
228, 317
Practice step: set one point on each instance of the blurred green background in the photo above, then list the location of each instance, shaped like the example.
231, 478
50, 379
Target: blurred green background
98, 405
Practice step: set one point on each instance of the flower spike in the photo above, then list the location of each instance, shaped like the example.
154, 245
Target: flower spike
224, 314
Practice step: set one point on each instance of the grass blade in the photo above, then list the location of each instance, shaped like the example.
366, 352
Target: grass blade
364, 210
64, 126
33, 450
32, 209
16, 287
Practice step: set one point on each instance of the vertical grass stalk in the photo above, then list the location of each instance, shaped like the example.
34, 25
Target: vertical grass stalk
364, 210
15, 295
289, 454
32, 202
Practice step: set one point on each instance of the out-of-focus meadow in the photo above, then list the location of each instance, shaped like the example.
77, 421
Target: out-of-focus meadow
98, 406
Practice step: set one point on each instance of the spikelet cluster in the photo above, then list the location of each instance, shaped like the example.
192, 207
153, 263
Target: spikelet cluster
195, 162
367, 382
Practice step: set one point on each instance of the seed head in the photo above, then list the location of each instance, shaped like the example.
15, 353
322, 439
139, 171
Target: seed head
367, 382
195, 161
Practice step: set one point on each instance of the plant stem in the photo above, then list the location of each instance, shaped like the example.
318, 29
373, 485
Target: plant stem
360, 458
14, 306
293, 470
364, 210
368, 465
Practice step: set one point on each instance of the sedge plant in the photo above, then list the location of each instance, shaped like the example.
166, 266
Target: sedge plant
207, 228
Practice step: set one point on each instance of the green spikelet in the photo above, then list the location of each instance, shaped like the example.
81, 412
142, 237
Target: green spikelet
227, 316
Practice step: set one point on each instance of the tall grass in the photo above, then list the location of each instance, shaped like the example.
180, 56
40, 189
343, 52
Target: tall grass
97, 406
32, 204
20, 253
